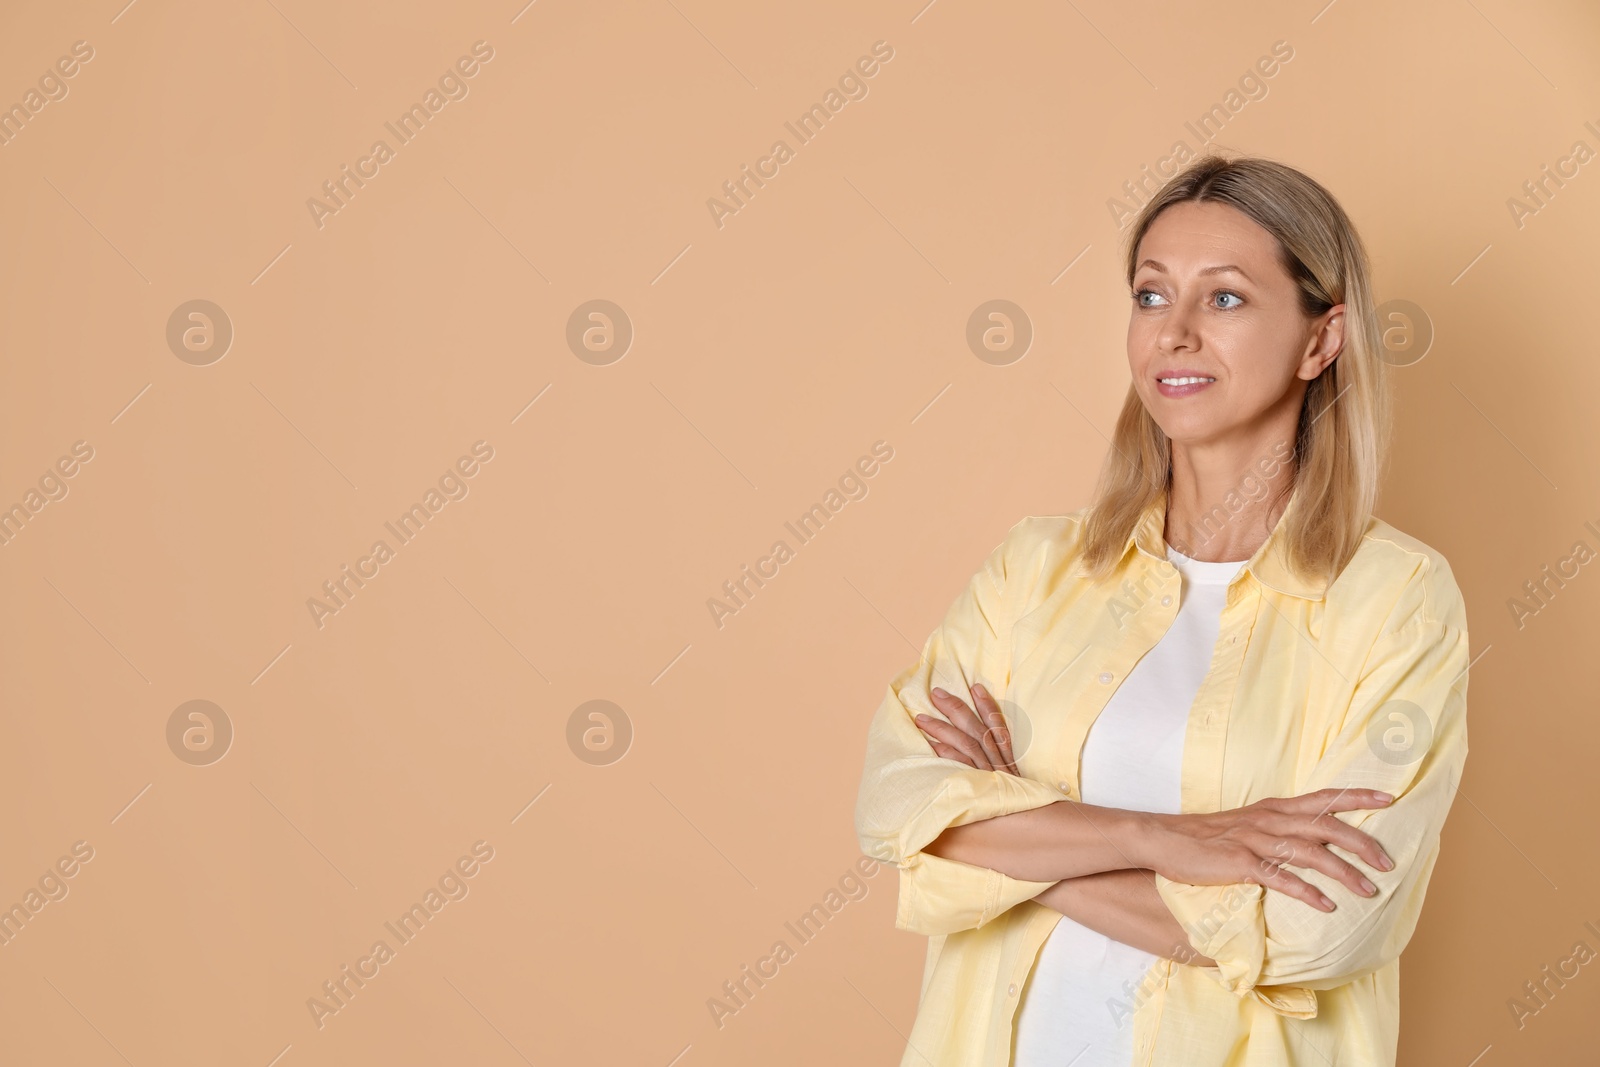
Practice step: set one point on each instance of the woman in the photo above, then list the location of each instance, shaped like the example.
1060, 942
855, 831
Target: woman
1110, 784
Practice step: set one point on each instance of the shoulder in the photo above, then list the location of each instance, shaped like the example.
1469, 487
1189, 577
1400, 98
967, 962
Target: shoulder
1036, 549
1408, 575
1041, 538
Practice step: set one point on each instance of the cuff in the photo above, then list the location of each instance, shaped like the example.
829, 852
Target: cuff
1225, 923
945, 896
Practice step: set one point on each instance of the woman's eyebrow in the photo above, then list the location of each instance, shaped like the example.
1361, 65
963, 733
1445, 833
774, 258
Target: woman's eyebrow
1221, 269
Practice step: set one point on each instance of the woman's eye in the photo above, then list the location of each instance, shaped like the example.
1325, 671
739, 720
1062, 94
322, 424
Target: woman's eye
1221, 294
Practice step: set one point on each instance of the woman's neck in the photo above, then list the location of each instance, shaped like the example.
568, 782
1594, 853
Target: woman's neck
1227, 516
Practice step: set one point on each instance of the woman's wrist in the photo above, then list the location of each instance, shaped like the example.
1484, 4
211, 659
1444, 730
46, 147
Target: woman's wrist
1142, 835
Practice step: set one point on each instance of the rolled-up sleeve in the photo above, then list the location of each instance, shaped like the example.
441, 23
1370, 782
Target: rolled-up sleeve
909, 795
1404, 733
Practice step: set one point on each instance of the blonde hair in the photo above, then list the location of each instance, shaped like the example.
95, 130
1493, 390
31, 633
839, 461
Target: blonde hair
1345, 420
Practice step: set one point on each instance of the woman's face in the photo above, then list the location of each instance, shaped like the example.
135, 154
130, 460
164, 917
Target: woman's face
1212, 300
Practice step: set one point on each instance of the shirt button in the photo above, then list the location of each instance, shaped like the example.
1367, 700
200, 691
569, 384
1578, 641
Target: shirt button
1105, 677
1063, 787
1166, 600
1012, 989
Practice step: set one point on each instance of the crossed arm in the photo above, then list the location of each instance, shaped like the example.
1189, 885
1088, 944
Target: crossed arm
1109, 885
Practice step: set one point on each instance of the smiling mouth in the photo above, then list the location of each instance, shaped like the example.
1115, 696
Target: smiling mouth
1184, 381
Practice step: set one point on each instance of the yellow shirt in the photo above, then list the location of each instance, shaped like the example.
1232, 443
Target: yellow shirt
1361, 683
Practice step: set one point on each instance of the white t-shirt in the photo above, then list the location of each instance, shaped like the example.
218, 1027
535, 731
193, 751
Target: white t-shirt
1079, 1000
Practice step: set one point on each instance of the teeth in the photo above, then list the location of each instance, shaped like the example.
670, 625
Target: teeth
1183, 381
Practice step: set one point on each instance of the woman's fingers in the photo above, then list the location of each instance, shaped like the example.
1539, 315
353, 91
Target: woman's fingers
1326, 830
955, 738
1311, 854
964, 731
955, 709
944, 751
1269, 874
946, 739
996, 737
1313, 812
1338, 832
1334, 798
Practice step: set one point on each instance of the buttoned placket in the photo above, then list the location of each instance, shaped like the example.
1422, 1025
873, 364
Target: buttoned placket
1201, 788
1146, 627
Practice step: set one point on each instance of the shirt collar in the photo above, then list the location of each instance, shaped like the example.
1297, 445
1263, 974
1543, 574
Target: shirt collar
1270, 564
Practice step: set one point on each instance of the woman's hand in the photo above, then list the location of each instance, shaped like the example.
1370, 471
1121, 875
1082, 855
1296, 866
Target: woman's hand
1252, 843
979, 740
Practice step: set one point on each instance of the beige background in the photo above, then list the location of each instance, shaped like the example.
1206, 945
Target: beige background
769, 354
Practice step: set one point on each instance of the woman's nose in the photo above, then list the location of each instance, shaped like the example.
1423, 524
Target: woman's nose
1178, 327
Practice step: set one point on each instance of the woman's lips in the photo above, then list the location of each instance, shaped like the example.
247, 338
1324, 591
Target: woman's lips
1181, 390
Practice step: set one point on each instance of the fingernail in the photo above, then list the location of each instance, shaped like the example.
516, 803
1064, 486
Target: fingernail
1384, 797
939, 692
1387, 864
1326, 903
922, 718
977, 687
1368, 886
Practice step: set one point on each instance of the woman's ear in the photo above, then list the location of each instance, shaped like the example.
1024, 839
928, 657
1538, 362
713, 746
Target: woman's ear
1325, 343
